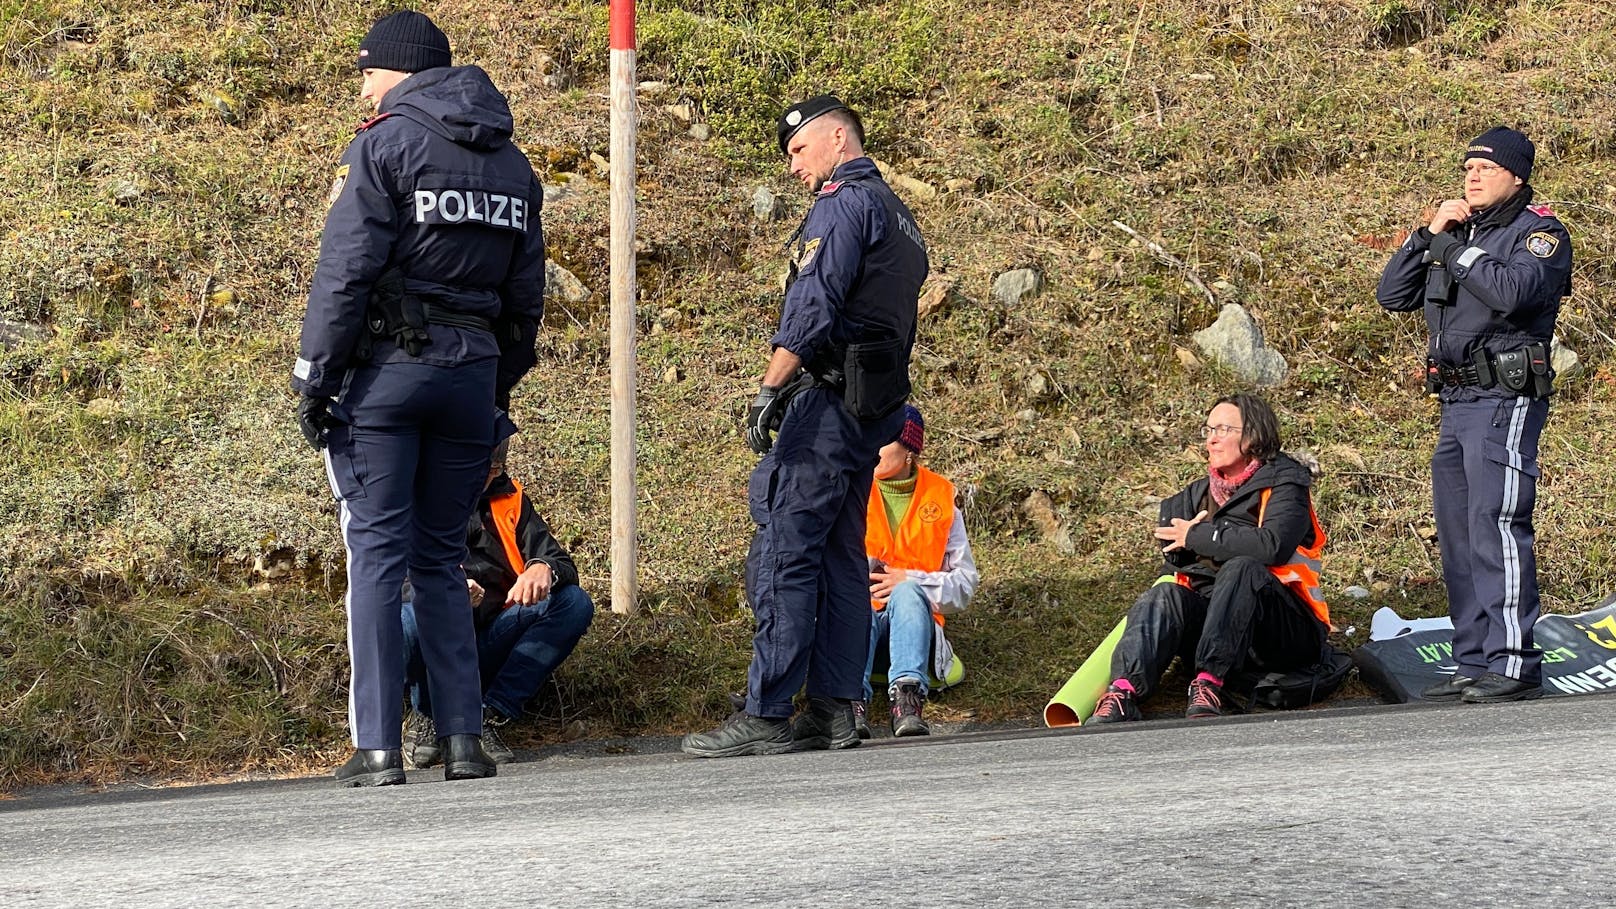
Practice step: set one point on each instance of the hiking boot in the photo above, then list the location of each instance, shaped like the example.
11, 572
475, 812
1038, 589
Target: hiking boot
493, 742
861, 719
828, 723
1493, 688
740, 734
372, 767
421, 741
1206, 700
907, 705
1117, 705
465, 759
1447, 689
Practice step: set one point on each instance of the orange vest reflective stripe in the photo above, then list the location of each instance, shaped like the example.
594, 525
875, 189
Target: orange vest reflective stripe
1301, 573
506, 511
922, 537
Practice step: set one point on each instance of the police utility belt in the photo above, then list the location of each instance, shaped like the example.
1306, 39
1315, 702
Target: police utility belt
872, 378
1524, 371
405, 317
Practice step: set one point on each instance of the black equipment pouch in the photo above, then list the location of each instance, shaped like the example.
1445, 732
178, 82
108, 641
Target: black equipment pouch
1440, 288
1512, 370
396, 313
877, 376
1542, 369
1486, 377
1433, 376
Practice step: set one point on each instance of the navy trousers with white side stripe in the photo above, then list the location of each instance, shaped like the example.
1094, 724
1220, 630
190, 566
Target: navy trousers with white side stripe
407, 465
1484, 482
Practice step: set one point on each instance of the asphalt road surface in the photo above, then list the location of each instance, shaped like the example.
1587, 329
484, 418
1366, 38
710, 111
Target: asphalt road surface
1421, 806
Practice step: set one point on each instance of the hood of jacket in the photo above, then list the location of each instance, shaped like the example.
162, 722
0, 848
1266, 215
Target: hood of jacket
459, 103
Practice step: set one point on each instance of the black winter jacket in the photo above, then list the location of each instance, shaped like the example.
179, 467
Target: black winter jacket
1512, 265
435, 186
1232, 530
485, 557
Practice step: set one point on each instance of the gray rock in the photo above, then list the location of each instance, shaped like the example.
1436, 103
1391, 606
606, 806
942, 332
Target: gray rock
766, 206
1566, 363
125, 192
1356, 592
1235, 341
701, 132
555, 192
1016, 285
653, 90
14, 333
558, 282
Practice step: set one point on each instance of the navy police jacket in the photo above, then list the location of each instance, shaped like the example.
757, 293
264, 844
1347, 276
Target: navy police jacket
1512, 266
857, 270
434, 186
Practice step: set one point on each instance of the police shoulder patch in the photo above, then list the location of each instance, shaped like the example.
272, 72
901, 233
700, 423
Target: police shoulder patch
337, 184
1542, 244
1542, 211
807, 253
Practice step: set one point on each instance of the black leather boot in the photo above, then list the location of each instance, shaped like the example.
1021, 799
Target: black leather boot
372, 767
465, 759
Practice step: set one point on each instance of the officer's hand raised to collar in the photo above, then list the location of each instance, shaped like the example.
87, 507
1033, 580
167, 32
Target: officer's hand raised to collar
313, 419
1450, 213
763, 417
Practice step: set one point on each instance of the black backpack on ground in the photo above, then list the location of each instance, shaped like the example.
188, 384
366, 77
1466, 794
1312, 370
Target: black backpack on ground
1293, 688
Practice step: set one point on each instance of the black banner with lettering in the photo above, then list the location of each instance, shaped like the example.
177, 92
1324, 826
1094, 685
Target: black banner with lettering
1579, 656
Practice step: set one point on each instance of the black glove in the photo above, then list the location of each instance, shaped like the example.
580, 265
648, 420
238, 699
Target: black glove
313, 419
763, 417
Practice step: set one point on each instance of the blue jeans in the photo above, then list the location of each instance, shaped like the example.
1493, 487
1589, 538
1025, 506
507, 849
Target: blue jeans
906, 625
517, 651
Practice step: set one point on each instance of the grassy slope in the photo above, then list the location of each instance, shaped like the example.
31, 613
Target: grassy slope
151, 465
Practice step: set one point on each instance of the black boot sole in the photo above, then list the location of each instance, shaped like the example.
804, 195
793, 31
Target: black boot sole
825, 743
389, 777
1530, 694
748, 748
469, 770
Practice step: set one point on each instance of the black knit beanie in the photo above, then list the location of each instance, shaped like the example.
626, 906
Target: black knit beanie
1508, 148
406, 41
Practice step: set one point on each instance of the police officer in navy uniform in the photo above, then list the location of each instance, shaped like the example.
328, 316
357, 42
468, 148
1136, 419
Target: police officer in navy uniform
1490, 271
833, 391
422, 315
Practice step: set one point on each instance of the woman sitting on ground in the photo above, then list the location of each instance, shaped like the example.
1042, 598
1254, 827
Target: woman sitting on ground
921, 569
1241, 581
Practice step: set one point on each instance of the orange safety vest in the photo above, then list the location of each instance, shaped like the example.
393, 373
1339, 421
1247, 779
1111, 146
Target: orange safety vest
506, 511
922, 537
1301, 573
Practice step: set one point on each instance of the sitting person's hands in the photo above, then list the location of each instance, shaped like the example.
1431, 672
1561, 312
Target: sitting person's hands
476, 590
532, 586
1177, 531
882, 582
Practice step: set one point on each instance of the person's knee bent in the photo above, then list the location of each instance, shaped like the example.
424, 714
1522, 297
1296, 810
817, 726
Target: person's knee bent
908, 603
573, 608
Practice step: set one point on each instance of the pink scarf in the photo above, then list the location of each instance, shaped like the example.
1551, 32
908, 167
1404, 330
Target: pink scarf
1223, 488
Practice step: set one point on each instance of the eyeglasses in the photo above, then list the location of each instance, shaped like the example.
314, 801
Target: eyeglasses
1222, 432
1485, 170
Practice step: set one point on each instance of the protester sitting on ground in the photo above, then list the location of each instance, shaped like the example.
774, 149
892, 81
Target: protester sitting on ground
530, 613
921, 569
1241, 578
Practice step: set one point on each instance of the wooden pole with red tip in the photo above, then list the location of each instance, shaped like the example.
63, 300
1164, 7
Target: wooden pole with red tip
625, 539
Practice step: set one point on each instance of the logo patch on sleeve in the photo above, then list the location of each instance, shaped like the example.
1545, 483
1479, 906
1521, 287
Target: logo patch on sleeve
337, 184
807, 254
1542, 245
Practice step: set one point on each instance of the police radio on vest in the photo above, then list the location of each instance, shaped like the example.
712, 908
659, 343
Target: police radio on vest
457, 206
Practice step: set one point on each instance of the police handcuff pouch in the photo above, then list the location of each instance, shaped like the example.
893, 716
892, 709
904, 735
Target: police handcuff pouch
877, 375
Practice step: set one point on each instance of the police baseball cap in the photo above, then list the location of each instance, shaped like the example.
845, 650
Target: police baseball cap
802, 113
406, 41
